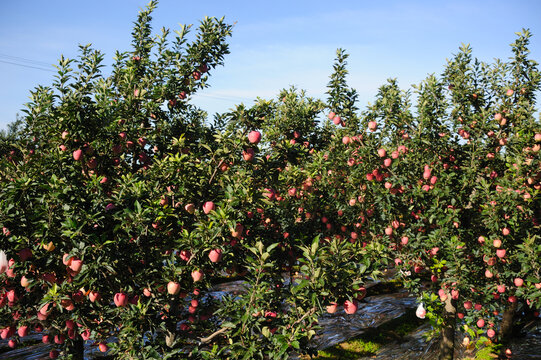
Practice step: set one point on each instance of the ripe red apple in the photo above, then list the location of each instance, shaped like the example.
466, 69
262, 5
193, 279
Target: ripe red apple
185, 255
506, 231
53, 354
197, 275
509, 92
22, 331
121, 299
86, 334
382, 152
497, 243
237, 232
190, 208
24, 282
103, 347
77, 154
215, 255
332, 307
372, 125
491, 333
350, 307
518, 282
331, 115
480, 323
59, 339
208, 207
337, 120
254, 137
248, 154
76, 265
501, 288
173, 288
488, 273
404, 240
500, 253
94, 296
468, 305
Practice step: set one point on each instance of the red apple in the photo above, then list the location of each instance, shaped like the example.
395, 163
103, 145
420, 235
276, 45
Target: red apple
197, 275
215, 255
350, 307
76, 265
23, 331
86, 334
254, 137
185, 255
248, 154
59, 339
500, 253
77, 154
94, 296
372, 125
121, 299
190, 208
208, 207
518, 282
491, 333
103, 347
331, 308
480, 323
173, 288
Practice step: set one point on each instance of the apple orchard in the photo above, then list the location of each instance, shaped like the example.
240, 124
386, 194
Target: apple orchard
122, 207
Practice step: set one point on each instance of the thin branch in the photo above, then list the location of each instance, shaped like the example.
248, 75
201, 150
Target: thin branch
212, 336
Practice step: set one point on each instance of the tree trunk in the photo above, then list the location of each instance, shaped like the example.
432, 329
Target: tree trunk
447, 344
77, 349
506, 327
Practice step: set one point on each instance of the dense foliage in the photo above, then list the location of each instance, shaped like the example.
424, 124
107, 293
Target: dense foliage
123, 210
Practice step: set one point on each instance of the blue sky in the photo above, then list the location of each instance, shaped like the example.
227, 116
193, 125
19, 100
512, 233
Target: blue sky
275, 44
